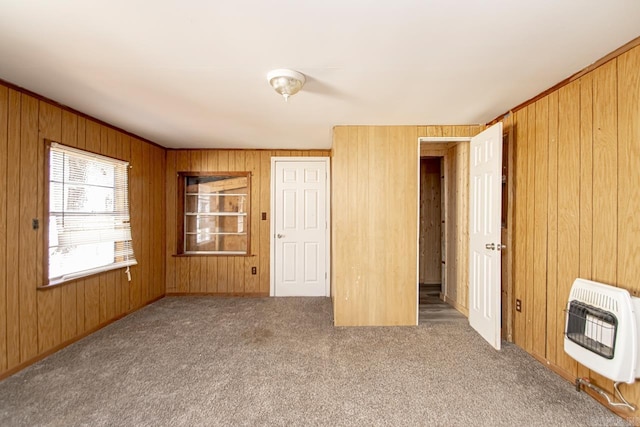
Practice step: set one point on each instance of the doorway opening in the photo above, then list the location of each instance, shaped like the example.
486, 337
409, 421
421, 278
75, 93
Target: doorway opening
431, 221
443, 229
432, 244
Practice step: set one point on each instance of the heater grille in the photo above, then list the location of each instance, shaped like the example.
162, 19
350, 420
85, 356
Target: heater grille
592, 328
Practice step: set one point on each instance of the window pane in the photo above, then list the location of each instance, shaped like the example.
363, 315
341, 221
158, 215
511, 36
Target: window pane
70, 259
89, 199
216, 212
91, 172
217, 243
215, 224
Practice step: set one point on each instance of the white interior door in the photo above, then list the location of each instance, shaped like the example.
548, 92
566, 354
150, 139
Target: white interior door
300, 227
484, 234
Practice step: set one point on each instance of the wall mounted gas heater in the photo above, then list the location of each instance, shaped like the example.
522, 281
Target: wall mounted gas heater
601, 333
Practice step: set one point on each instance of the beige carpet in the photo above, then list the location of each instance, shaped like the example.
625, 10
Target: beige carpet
201, 361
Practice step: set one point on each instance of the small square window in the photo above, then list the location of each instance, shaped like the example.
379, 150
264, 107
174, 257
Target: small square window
214, 213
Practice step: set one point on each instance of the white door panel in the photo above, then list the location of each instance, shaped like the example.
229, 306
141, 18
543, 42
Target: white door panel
300, 227
484, 234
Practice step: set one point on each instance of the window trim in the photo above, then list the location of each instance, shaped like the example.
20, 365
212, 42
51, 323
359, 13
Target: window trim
44, 222
180, 204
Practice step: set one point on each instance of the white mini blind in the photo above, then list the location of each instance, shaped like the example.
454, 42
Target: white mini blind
89, 222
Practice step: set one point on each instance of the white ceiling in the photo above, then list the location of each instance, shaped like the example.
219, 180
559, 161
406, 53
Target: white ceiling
192, 73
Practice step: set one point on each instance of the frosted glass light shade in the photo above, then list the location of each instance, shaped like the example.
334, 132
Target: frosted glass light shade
286, 82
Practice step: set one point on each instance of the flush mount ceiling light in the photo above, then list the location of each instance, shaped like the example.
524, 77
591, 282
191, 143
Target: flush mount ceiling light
286, 82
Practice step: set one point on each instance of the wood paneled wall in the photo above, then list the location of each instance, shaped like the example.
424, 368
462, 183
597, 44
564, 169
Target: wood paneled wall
577, 202
375, 221
36, 321
224, 275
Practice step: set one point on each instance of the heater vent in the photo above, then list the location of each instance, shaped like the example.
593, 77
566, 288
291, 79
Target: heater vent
595, 298
601, 330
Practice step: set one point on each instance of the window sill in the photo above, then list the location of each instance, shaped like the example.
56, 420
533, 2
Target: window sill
211, 255
51, 286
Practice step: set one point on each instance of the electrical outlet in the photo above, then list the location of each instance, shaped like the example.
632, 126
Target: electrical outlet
518, 305
254, 270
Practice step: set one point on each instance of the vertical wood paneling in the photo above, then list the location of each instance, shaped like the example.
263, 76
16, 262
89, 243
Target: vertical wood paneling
159, 212
378, 189
163, 218
463, 221
568, 255
28, 237
238, 262
406, 267
4, 117
145, 255
49, 300
552, 229
530, 237
264, 270
586, 174
520, 226
170, 225
252, 285
586, 182
540, 226
605, 181
359, 165
628, 233
13, 230
605, 173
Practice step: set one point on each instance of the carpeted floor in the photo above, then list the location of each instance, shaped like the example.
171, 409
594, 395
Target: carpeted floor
279, 361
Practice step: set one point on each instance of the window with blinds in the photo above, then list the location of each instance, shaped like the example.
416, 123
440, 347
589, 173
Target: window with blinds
88, 228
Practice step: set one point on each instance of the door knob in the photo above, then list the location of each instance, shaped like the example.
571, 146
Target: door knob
490, 246
280, 236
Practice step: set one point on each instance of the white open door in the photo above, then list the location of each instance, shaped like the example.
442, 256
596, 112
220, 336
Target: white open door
300, 226
484, 234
